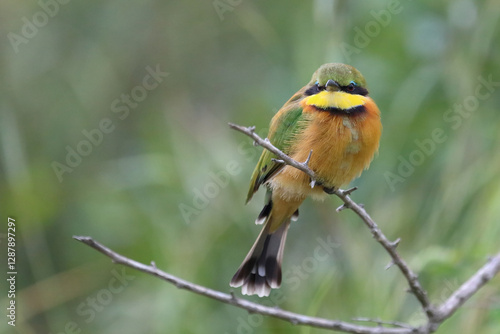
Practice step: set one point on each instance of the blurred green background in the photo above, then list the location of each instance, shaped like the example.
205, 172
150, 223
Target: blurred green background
165, 178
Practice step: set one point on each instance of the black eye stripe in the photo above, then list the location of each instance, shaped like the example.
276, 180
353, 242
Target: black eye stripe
351, 89
314, 90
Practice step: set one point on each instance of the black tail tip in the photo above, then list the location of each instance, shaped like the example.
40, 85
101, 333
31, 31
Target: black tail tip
254, 285
255, 280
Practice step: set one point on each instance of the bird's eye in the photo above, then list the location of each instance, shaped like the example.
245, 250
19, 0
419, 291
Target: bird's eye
350, 87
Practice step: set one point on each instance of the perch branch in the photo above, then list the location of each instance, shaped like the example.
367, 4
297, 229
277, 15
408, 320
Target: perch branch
294, 318
460, 296
389, 246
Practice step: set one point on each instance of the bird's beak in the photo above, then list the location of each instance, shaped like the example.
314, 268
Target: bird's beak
332, 86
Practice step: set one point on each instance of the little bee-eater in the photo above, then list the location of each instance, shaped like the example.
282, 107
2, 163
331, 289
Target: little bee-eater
332, 116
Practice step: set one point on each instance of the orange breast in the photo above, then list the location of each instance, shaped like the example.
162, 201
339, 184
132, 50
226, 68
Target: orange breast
343, 146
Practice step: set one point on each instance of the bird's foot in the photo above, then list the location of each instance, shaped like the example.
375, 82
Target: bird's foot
329, 191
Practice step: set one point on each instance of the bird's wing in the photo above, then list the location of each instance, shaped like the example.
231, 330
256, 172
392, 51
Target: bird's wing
285, 125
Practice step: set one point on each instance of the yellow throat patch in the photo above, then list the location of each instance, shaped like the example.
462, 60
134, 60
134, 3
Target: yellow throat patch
339, 100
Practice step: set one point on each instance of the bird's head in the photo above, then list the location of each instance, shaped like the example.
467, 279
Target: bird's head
336, 87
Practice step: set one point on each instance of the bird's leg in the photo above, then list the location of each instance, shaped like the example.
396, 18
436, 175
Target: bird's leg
329, 191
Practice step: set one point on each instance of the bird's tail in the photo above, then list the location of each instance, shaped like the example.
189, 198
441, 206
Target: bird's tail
261, 269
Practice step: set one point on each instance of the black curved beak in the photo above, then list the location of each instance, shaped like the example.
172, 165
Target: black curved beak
332, 85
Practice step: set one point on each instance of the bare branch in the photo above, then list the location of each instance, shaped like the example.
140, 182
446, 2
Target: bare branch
469, 288
389, 246
381, 322
294, 318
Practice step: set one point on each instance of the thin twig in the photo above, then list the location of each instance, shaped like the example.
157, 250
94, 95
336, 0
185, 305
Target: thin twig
381, 322
469, 288
389, 246
294, 318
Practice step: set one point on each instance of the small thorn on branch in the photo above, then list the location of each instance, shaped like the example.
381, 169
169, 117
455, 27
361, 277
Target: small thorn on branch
388, 266
313, 183
349, 191
306, 163
279, 161
394, 244
342, 207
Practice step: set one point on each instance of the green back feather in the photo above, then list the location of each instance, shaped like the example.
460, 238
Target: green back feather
284, 130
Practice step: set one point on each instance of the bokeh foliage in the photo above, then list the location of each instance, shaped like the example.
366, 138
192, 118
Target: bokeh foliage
240, 65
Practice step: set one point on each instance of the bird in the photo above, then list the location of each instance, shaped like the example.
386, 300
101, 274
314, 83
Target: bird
336, 127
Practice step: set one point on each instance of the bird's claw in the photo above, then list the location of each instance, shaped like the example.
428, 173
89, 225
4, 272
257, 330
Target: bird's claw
329, 191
